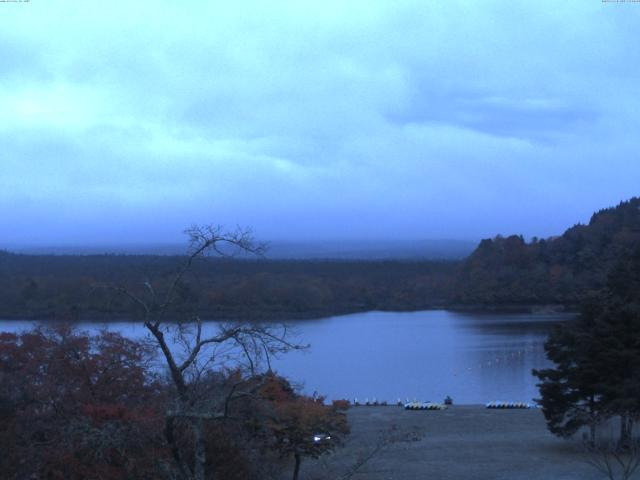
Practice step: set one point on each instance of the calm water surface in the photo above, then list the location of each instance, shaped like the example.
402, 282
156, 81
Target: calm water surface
474, 358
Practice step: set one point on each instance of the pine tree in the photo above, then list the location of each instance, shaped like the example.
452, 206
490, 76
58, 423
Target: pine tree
597, 360
570, 398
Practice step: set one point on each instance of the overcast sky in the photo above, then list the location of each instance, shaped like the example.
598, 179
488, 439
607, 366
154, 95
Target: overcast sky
129, 121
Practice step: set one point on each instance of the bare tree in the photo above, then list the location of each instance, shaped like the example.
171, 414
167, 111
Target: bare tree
191, 351
612, 459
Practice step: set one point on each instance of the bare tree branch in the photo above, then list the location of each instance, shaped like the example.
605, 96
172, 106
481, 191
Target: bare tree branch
199, 397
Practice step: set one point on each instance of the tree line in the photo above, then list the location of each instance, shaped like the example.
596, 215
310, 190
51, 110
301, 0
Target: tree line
501, 272
566, 270
62, 287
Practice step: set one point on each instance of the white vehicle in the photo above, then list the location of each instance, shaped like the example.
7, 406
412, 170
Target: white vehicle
321, 437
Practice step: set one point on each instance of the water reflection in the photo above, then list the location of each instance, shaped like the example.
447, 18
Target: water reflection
427, 355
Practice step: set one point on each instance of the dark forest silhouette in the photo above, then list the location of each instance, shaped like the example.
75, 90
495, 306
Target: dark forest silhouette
502, 272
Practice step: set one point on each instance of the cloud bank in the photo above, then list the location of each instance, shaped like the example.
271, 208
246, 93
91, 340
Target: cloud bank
314, 120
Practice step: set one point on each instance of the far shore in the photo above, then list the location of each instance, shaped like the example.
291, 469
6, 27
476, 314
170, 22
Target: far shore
275, 316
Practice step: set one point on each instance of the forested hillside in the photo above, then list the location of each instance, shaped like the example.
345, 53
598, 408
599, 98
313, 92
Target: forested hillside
501, 272
561, 270
48, 286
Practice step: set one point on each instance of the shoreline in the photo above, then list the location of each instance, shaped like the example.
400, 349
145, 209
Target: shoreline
286, 316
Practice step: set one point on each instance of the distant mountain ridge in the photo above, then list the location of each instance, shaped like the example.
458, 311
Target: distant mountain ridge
563, 270
503, 272
426, 249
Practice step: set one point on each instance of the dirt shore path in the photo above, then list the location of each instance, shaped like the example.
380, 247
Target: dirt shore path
463, 442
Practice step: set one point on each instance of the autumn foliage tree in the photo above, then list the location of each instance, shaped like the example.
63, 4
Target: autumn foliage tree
76, 406
299, 426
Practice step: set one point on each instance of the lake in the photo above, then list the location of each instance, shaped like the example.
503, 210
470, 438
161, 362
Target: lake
474, 358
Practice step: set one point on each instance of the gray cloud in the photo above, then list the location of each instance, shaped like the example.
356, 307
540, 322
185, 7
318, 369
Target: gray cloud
532, 119
315, 120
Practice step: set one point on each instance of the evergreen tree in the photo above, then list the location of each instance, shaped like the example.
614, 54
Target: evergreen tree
570, 398
597, 360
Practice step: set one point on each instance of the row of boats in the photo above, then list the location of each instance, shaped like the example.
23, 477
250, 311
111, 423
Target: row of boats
424, 406
415, 405
499, 404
